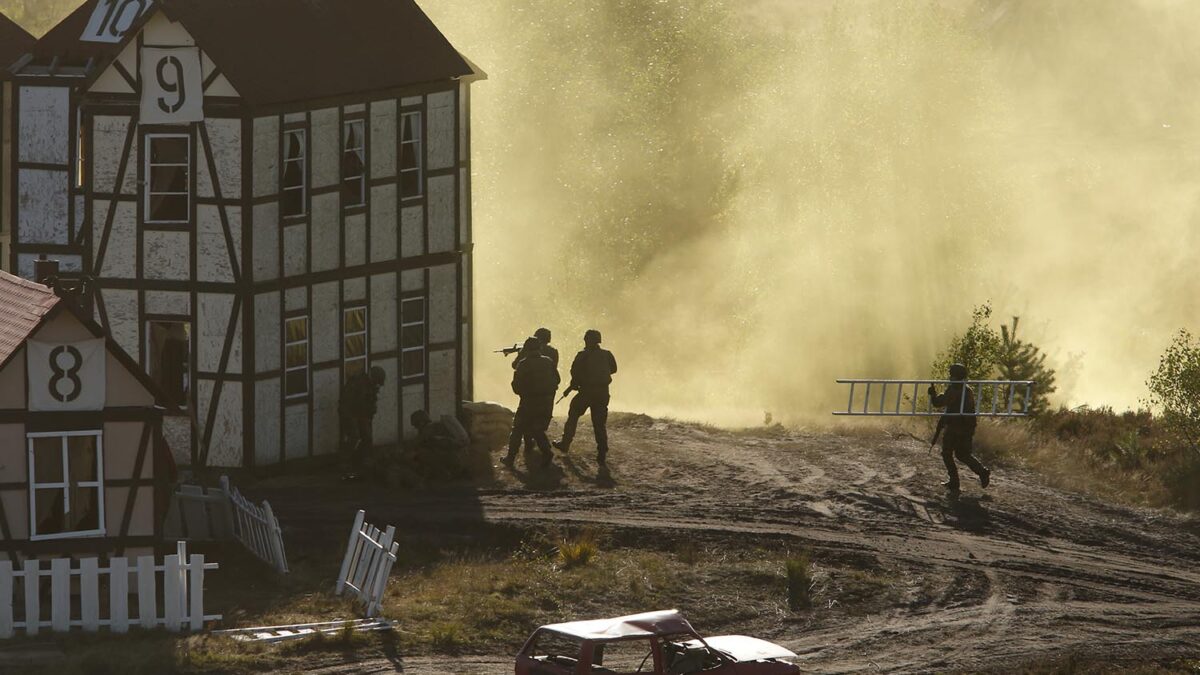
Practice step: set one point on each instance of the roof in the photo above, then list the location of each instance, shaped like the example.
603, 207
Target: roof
14, 43
23, 307
285, 51
669, 622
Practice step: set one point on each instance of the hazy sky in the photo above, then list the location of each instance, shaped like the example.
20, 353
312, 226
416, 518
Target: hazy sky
751, 198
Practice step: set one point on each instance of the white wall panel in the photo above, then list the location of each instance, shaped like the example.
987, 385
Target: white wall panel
123, 320
414, 400
177, 431
177, 303
43, 201
325, 412
44, 117
166, 254
295, 250
226, 138
295, 299
266, 241
354, 290
383, 223
412, 280
441, 130
225, 447
383, 312
326, 324
356, 240
120, 255
383, 139
443, 301
66, 263
267, 421
443, 376
266, 156
295, 425
326, 232
108, 142
213, 263
387, 426
326, 148
268, 323
443, 226
212, 325
412, 231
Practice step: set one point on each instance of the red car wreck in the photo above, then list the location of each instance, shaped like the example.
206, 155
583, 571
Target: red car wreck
658, 643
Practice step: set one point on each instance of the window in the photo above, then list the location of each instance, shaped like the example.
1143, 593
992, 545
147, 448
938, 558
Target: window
354, 163
354, 340
295, 172
624, 656
412, 337
79, 148
169, 359
66, 493
168, 179
296, 359
410, 155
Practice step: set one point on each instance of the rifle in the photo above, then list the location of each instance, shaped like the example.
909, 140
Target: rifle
566, 393
509, 351
941, 425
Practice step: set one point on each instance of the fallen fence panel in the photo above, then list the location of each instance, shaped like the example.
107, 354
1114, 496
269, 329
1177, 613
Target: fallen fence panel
368, 562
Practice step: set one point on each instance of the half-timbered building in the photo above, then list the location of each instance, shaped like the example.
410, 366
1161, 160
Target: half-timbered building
14, 43
271, 196
82, 469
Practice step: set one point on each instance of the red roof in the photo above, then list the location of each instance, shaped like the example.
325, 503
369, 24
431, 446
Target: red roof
23, 304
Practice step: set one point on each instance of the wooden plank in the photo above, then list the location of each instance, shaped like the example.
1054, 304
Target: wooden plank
89, 594
341, 582
377, 583
60, 595
278, 556
33, 607
6, 599
172, 612
196, 589
147, 593
118, 595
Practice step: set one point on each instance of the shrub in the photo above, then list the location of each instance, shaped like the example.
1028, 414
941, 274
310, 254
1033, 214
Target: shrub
800, 581
578, 550
1175, 388
447, 636
1021, 361
978, 348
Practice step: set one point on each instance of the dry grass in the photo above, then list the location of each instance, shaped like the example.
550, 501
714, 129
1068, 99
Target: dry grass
578, 550
799, 582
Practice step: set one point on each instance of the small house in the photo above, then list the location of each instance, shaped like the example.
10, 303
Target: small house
82, 466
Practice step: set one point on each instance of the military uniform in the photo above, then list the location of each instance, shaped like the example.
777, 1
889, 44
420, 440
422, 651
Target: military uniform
591, 374
356, 408
959, 433
536, 380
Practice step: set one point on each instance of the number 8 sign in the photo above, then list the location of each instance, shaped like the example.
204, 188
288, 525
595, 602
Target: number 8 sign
67, 376
172, 90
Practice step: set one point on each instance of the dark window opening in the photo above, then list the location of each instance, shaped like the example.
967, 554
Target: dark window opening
65, 480
354, 154
169, 359
410, 156
168, 179
295, 173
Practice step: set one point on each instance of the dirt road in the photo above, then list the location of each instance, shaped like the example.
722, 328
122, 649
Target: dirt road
991, 579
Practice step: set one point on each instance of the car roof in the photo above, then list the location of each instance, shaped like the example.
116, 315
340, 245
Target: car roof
649, 624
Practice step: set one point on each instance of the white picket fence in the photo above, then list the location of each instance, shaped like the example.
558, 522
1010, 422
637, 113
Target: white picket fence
182, 604
370, 555
257, 528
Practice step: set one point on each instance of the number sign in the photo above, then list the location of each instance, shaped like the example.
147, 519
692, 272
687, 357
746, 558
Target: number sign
112, 19
172, 88
66, 376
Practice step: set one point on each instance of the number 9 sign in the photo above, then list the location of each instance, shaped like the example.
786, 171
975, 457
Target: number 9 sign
171, 86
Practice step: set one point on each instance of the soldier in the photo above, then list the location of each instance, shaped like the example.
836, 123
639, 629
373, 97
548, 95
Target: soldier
535, 382
356, 408
591, 373
959, 424
543, 336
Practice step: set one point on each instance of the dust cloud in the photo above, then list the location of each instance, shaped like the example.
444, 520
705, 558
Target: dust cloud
751, 198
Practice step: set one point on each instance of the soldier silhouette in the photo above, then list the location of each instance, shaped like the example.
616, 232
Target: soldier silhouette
591, 374
958, 421
356, 408
543, 336
535, 381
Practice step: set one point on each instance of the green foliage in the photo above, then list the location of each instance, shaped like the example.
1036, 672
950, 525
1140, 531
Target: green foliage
1019, 360
800, 582
1175, 388
991, 354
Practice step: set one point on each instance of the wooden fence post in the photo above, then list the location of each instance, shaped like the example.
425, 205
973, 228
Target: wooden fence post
118, 595
147, 593
89, 594
350, 549
172, 612
33, 607
6, 599
196, 586
275, 535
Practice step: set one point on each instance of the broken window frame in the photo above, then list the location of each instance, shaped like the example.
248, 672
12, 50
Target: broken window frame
149, 190
364, 358
354, 186
288, 367
301, 159
154, 361
65, 484
417, 167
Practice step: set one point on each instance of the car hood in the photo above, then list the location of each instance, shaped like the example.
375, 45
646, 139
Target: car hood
743, 648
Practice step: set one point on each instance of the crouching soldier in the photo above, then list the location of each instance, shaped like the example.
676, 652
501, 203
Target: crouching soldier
591, 373
535, 381
958, 422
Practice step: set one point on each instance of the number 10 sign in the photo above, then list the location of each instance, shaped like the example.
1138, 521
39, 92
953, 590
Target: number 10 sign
68, 376
172, 88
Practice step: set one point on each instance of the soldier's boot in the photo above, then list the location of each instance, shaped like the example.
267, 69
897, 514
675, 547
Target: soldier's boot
951, 487
985, 478
563, 445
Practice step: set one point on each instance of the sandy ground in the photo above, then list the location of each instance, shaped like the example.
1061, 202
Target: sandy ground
1020, 571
